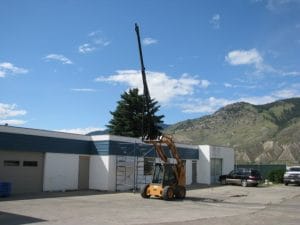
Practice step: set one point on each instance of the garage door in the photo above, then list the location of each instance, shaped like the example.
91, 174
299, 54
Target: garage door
23, 169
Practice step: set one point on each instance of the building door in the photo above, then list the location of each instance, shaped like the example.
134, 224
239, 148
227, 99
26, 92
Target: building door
84, 171
24, 170
194, 172
215, 170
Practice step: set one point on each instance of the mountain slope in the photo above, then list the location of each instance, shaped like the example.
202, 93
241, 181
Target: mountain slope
258, 133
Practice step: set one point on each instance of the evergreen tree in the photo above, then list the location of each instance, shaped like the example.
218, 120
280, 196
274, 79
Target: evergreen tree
131, 119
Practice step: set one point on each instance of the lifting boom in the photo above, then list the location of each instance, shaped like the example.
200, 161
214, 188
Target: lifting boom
168, 179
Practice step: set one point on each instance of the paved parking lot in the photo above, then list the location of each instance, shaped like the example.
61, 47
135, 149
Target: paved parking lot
214, 205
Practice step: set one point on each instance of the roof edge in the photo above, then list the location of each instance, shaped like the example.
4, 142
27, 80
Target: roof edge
43, 133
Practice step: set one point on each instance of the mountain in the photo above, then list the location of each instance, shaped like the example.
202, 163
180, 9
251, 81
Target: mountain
267, 133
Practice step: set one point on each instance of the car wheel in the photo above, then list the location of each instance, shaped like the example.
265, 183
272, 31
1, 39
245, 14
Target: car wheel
286, 183
223, 182
244, 183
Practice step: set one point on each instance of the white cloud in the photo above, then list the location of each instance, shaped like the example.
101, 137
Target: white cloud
8, 111
83, 89
57, 57
291, 73
9, 68
162, 87
208, 105
149, 41
275, 5
250, 57
258, 100
253, 58
288, 92
101, 42
80, 130
228, 85
212, 104
13, 122
215, 21
86, 48
96, 41
244, 57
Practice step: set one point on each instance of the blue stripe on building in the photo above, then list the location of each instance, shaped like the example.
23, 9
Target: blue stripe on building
32, 143
138, 149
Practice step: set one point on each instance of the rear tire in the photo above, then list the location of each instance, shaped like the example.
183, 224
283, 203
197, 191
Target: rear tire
180, 192
144, 191
168, 193
286, 183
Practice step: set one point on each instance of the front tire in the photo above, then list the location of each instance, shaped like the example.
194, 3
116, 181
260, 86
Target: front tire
168, 193
144, 190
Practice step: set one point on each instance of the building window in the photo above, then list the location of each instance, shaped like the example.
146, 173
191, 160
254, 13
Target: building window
148, 165
11, 163
30, 163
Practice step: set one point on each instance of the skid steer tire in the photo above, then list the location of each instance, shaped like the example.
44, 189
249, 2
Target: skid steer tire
144, 191
168, 193
180, 192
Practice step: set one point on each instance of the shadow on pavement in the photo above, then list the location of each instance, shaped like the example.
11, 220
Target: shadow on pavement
198, 199
42, 195
15, 219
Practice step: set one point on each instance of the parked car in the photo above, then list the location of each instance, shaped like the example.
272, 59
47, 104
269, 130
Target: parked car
292, 175
242, 176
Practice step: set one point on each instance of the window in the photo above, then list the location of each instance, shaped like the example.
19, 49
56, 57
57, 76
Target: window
30, 163
11, 163
148, 166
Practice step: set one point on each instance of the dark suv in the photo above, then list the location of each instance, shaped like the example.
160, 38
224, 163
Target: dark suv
242, 176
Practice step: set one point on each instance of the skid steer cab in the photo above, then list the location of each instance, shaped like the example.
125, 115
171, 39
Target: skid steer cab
164, 184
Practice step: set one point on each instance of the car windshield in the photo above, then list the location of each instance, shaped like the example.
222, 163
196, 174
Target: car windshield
294, 169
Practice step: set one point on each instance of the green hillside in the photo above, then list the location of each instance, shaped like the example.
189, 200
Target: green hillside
267, 133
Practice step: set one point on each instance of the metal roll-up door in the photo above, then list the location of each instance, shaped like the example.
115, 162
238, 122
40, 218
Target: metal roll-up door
24, 170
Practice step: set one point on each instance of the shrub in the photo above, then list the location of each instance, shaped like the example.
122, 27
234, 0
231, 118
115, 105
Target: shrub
276, 176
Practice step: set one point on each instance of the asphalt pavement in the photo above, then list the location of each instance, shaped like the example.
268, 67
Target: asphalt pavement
224, 205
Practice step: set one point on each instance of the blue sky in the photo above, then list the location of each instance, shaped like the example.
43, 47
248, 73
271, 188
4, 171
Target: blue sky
64, 64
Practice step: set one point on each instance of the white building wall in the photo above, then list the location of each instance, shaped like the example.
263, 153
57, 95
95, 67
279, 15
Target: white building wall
103, 172
99, 172
227, 156
61, 172
203, 165
228, 160
112, 173
206, 153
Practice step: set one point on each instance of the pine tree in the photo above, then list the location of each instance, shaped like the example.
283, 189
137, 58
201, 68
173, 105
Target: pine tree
130, 118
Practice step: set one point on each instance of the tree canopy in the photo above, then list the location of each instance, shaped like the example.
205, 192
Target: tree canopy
131, 119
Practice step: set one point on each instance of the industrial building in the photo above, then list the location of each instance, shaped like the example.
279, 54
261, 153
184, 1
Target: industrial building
35, 160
